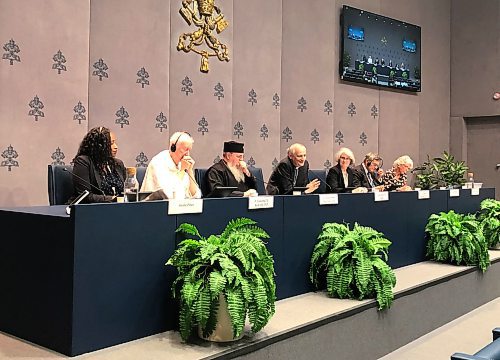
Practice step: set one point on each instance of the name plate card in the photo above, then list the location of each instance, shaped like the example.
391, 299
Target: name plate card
474, 191
424, 194
185, 206
454, 192
328, 199
381, 195
260, 202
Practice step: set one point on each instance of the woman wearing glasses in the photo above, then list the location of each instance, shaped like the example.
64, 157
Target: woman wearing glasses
341, 177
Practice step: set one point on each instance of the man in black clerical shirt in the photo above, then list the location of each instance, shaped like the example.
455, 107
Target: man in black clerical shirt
230, 171
292, 172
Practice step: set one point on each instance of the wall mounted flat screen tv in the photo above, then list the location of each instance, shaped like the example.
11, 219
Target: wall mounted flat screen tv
379, 51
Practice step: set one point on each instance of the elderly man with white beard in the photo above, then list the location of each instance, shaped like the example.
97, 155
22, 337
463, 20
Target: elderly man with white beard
230, 171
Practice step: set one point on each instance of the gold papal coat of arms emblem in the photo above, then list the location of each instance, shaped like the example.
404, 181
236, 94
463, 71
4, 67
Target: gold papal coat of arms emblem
207, 17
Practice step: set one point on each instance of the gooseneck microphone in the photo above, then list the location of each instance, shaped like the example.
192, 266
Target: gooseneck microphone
85, 181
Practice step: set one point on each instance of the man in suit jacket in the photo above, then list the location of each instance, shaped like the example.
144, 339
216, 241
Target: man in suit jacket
368, 172
292, 172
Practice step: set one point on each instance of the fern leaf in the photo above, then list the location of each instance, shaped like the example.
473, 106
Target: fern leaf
237, 312
189, 229
217, 283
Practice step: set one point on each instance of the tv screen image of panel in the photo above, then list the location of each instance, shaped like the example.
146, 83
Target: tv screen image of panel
379, 51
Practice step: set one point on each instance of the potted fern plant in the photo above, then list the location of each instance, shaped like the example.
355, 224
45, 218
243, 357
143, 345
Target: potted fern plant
456, 239
352, 264
233, 268
489, 217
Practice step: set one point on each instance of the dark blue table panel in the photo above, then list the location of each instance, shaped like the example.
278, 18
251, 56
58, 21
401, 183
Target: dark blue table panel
271, 220
121, 285
36, 278
467, 203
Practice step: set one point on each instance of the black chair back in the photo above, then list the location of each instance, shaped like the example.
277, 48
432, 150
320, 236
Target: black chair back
199, 176
257, 172
321, 175
60, 184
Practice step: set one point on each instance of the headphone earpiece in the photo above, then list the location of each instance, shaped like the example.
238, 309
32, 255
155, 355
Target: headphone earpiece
173, 147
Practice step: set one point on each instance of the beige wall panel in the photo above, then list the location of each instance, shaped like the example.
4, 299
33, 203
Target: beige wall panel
187, 111
308, 66
475, 54
129, 37
357, 113
40, 32
257, 66
435, 95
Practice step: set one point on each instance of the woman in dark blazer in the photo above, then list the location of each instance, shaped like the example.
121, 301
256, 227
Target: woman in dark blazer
341, 177
96, 168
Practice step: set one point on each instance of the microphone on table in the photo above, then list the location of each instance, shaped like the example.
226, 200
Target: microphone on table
86, 182
418, 169
324, 182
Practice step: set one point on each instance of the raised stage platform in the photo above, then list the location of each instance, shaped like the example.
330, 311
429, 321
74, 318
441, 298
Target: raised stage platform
314, 326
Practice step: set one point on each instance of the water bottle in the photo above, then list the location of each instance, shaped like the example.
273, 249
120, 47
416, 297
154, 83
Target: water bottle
470, 180
130, 186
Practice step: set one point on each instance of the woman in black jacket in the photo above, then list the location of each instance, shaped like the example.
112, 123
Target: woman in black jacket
96, 168
341, 177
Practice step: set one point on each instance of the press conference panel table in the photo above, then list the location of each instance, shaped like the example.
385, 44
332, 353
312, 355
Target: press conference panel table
97, 278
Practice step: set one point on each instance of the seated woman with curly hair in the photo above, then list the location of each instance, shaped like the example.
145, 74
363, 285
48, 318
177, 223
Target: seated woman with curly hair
396, 178
95, 163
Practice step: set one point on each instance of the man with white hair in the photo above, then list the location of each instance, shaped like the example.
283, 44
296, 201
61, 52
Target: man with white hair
173, 170
230, 171
292, 172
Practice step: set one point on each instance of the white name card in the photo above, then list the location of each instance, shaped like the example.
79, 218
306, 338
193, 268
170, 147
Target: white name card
328, 199
474, 191
260, 202
454, 192
424, 194
381, 195
185, 206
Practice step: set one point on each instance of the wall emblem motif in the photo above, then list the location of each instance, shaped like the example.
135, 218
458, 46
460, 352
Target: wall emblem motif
36, 105
207, 17
58, 157
219, 91
10, 154
374, 111
328, 107
100, 69
363, 139
143, 77
238, 130
11, 54
203, 123
251, 162
302, 104
79, 110
252, 97
59, 61
339, 137
274, 163
314, 136
187, 86
351, 109
264, 132
276, 101
217, 159
327, 164
122, 117
161, 122
142, 160
287, 134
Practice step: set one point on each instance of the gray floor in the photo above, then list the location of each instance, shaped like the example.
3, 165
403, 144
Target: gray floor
466, 334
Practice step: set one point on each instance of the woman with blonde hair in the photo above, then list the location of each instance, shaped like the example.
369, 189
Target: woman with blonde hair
397, 178
341, 177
